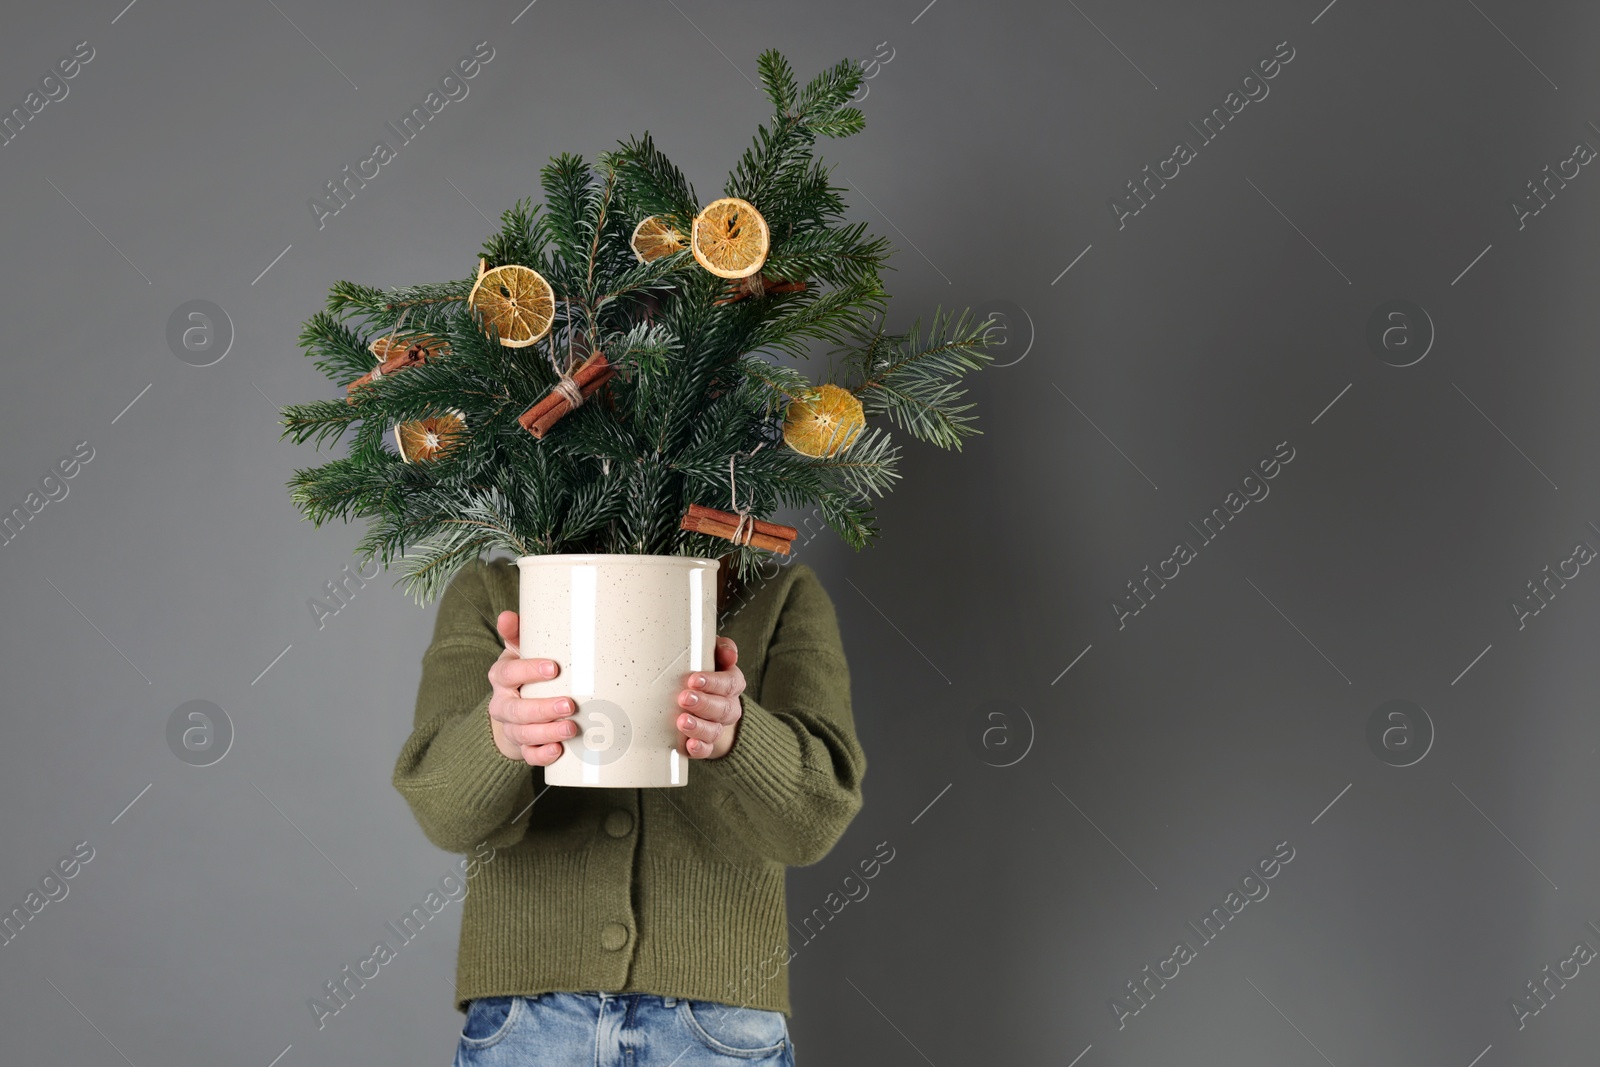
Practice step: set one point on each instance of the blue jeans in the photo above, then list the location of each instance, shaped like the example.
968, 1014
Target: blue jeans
620, 1030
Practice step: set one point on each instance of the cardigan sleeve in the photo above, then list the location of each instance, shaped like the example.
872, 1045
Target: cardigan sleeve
461, 788
795, 767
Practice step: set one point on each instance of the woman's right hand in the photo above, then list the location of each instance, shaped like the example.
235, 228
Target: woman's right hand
527, 730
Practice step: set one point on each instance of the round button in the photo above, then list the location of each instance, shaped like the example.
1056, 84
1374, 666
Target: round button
613, 937
619, 823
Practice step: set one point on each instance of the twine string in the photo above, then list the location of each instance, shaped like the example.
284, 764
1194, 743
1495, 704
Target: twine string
566, 385
377, 372
746, 526
551, 350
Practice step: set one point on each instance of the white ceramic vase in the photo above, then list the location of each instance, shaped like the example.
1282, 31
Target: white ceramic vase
627, 632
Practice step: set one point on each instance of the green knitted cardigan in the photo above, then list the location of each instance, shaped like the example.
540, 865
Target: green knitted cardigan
673, 891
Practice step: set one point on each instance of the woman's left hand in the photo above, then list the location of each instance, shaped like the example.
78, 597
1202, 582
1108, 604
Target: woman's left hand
711, 704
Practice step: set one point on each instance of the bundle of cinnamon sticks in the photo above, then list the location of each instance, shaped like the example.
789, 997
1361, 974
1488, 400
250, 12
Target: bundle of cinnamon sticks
772, 536
593, 373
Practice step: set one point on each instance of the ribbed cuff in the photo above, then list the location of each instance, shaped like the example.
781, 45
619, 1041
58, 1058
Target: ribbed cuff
764, 763
472, 767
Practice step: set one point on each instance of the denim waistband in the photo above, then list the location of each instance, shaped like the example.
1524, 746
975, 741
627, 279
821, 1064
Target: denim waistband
602, 997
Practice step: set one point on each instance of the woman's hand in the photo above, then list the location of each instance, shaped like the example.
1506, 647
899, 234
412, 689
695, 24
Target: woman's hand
712, 706
527, 730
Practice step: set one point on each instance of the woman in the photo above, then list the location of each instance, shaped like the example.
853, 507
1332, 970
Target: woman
643, 927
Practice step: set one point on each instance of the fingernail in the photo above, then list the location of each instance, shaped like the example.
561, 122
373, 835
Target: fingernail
564, 706
547, 669
692, 745
689, 723
692, 699
569, 729
697, 680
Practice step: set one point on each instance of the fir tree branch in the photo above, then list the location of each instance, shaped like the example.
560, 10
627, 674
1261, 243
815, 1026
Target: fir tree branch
336, 349
843, 256
832, 316
912, 378
777, 78
318, 421
522, 237
651, 184
698, 379
568, 192
778, 383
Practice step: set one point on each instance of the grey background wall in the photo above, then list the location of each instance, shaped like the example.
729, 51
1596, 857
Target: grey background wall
1067, 786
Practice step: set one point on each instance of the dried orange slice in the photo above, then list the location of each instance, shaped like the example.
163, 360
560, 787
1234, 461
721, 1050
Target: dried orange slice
429, 438
656, 237
730, 238
517, 301
824, 422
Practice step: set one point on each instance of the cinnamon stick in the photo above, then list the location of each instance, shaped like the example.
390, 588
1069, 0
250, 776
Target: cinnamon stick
593, 373
384, 347
743, 287
772, 536
395, 358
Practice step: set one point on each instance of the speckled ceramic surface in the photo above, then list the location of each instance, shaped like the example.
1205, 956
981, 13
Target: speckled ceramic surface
627, 631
